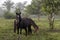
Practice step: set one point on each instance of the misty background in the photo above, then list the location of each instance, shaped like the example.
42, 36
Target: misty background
28, 8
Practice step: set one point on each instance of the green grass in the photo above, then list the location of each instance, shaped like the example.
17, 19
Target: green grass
6, 31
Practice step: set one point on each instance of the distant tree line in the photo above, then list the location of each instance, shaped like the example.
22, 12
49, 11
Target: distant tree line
9, 5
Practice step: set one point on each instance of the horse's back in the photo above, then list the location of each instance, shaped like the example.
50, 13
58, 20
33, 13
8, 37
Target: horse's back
27, 20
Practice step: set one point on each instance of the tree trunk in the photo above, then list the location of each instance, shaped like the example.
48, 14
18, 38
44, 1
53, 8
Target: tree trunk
51, 21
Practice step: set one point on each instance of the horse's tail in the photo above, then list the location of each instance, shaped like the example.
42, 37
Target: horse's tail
14, 26
34, 25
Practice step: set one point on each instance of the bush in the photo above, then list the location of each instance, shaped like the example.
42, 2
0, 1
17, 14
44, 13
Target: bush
9, 15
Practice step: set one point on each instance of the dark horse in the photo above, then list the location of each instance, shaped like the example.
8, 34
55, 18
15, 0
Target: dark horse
24, 23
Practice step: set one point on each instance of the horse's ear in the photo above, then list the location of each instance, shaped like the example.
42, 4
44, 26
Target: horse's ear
16, 13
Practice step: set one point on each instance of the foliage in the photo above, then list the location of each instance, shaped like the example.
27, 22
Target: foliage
34, 8
51, 6
8, 15
21, 6
8, 4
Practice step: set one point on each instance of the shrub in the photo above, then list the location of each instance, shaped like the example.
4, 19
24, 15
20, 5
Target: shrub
9, 15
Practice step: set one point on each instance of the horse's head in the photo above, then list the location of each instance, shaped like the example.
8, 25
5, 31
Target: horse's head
18, 16
36, 29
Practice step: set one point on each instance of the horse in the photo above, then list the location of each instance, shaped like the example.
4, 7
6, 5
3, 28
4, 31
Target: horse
24, 23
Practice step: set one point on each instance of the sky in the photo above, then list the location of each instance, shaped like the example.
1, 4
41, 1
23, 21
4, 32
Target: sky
16, 1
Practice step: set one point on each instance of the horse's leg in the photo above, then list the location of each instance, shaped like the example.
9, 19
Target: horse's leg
20, 30
26, 31
17, 30
29, 29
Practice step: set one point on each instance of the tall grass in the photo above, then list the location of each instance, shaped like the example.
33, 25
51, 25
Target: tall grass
6, 31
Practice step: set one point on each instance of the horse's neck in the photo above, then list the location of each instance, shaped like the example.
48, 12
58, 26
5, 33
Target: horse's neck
20, 18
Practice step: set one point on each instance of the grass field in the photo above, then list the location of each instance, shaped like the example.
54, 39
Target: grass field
6, 30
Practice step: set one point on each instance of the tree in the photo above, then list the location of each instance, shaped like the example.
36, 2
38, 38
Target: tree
21, 6
9, 15
34, 8
51, 7
8, 5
